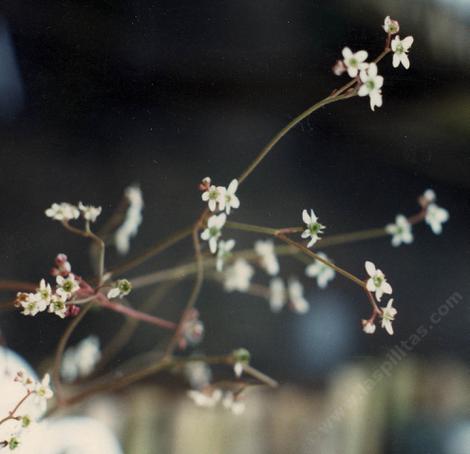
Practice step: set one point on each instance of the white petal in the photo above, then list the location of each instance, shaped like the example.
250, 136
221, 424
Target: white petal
305, 217
372, 71
347, 53
405, 61
361, 55
352, 71
379, 81
386, 288
233, 186
363, 90
370, 268
407, 42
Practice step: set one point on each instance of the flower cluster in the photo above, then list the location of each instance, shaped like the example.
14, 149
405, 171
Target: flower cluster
320, 271
65, 212
45, 298
355, 64
210, 397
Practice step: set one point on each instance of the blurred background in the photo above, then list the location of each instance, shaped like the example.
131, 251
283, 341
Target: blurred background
95, 96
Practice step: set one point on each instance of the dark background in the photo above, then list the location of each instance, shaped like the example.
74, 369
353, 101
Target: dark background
95, 96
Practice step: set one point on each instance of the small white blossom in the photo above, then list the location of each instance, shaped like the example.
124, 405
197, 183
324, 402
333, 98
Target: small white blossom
232, 403
388, 316
207, 398
368, 327
67, 286
224, 253
277, 294
44, 293
296, 297
371, 85
42, 389
400, 49
80, 360
377, 282
354, 62
391, 26
319, 270
400, 231
314, 228
89, 212
62, 212
31, 303
238, 369
198, 374
238, 276
120, 289
214, 195
435, 217
58, 306
231, 200
429, 196
129, 228
214, 230
268, 259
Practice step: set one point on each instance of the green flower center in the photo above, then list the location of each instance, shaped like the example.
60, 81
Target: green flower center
68, 286
213, 231
370, 84
314, 228
353, 62
399, 49
378, 280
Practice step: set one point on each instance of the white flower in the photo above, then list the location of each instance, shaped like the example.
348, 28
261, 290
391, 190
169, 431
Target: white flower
132, 221
314, 228
214, 230
377, 282
277, 294
400, 231
79, 361
224, 253
58, 306
207, 398
391, 26
198, 374
44, 294
231, 200
238, 276
400, 49
429, 196
121, 288
42, 389
268, 259
354, 62
238, 369
296, 296
371, 85
214, 195
388, 315
89, 212
435, 217
31, 303
62, 212
67, 286
322, 272
368, 327
193, 330
230, 402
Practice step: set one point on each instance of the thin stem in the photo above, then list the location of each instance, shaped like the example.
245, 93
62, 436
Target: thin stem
11, 414
250, 228
153, 251
61, 348
294, 122
312, 254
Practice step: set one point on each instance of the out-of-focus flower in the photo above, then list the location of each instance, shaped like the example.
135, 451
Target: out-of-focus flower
339, 68
400, 49
388, 316
129, 228
231, 200
242, 357
233, 403
214, 230
435, 217
43, 391
391, 26
62, 266
193, 330
377, 282
277, 294
62, 212
320, 271
400, 231
224, 253
120, 289
206, 398
429, 196
214, 195
368, 327
268, 259
89, 212
79, 361
354, 62
67, 286
314, 228
198, 374
296, 297
371, 85
238, 276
